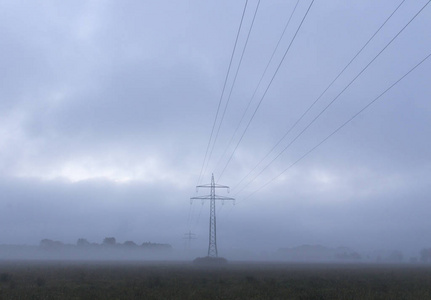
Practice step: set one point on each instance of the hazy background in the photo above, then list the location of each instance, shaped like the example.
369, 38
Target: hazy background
106, 108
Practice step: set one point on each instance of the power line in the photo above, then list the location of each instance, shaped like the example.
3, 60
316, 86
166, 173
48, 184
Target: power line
233, 83
319, 97
333, 100
341, 126
258, 85
267, 88
221, 96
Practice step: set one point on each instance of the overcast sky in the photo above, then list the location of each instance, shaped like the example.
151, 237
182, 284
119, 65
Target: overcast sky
106, 110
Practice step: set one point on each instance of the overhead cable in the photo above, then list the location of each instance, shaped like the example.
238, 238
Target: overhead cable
233, 84
221, 96
333, 100
318, 98
340, 127
267, 88
257, 87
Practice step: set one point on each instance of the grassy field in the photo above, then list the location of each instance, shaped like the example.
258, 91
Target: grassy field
138, 280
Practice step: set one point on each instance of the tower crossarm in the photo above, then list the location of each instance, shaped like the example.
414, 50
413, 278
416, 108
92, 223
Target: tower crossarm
208, 197
216, 186
222, 198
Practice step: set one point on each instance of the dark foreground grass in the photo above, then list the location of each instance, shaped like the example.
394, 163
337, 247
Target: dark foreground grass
81, 280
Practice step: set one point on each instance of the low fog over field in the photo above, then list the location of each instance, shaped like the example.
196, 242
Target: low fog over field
107, 107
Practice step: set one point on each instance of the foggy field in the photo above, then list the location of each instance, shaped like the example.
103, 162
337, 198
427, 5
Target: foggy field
138, 280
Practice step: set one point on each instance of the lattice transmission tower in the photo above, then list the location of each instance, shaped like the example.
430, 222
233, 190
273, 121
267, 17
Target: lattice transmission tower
189, 237
212, 246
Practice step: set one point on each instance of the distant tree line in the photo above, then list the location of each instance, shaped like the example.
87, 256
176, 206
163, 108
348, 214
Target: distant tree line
108, 242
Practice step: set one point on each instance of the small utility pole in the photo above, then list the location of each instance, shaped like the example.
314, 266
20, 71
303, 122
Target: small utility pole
212, 246
189, 237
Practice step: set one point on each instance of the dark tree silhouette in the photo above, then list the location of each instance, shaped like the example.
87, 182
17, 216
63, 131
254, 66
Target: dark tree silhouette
109, 241
82, 243
50, 244
130, 244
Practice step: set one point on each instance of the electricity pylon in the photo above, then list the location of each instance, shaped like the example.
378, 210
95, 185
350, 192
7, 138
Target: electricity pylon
212, 246
189, 237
